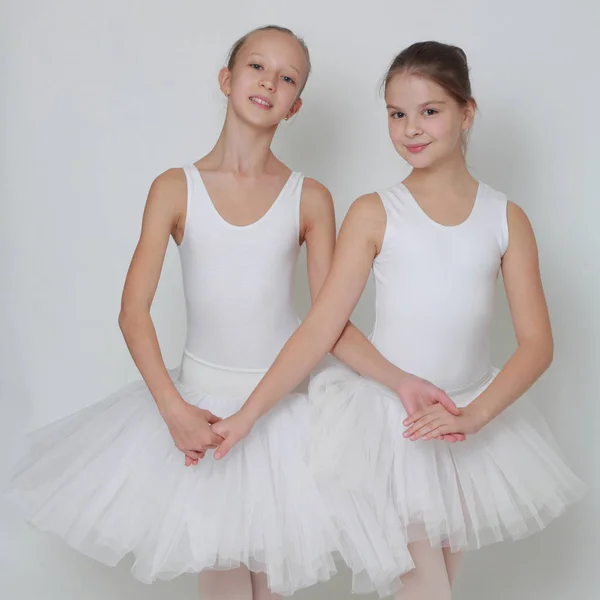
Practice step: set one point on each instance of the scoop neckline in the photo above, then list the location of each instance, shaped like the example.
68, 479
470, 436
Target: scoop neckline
476, 202
254, 223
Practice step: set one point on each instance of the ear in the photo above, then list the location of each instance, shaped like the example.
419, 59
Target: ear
225, 81
469, 114
295, 108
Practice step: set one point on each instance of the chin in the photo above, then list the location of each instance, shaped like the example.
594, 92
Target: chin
418, 161
263, 121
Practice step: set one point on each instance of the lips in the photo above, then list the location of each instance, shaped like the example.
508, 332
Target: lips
416, 148
261, 102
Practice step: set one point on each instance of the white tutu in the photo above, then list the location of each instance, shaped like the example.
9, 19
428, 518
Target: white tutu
109, 480
507, 481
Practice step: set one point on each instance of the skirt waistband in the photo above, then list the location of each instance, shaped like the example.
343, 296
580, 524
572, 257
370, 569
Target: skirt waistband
227, 383
222, 381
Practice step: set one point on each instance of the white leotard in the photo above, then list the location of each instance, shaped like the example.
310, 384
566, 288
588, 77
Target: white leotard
435, 287
238, 280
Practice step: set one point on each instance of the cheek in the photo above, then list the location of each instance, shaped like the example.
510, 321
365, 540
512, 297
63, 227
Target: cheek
246, 77
287, 93
446, 130
239, 81
395, 129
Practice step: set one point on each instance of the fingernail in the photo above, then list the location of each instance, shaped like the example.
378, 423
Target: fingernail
217, 455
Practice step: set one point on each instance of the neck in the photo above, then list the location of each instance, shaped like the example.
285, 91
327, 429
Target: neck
448, 175
242, 149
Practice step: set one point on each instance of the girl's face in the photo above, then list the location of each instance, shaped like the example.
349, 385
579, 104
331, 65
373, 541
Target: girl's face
426, 124
267, 76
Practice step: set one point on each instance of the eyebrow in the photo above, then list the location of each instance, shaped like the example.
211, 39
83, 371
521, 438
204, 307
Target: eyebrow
420, 105
263, 56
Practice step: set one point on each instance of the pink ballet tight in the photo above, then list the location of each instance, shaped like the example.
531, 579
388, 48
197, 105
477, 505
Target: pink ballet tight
235, 584
431, 579
433, 575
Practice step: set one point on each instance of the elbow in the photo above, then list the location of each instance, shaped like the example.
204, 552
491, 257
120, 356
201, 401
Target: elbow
124, 321
340, 344
338, 352
548, 352
129, 318
124, 317
543, 350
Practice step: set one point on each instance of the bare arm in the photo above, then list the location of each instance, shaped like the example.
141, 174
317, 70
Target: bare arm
531, 322
318, 219
164, 215
522, 281
356, 248
352, 347
164, 211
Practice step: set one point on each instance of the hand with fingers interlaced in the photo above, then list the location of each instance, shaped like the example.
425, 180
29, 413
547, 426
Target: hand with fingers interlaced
190, 428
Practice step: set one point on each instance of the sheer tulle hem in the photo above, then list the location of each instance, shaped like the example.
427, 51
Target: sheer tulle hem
506, 482
109, 481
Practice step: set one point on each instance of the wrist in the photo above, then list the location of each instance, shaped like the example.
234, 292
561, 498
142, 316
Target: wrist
169, 404
480, 415
249, 414
398, 378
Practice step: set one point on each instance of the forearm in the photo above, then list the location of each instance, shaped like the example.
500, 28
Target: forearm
522, 370
302, 352
334, 301
141, 339
355, 350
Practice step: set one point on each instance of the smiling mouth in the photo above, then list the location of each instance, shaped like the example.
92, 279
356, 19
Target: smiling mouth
260, 102
416, 148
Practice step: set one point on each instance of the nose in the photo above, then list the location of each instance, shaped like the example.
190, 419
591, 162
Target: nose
268, 84
413, 128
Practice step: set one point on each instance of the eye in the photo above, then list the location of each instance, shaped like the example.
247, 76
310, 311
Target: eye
430, 112
396, 115
255, 66
288, 79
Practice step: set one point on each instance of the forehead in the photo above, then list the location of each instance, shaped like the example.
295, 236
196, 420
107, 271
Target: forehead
409, 88
276, 45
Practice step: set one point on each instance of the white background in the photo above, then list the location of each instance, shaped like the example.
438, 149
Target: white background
98, 98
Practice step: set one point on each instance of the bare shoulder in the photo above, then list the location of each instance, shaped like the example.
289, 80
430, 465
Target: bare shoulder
312, 186
516, 214
519, 225
316, 208
168, 194
315, 193
366, 220
166, 204
369, 210
522, 245
169, 184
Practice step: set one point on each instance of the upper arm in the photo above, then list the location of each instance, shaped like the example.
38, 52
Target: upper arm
357, 245
318, 231
163, 216
522, 280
